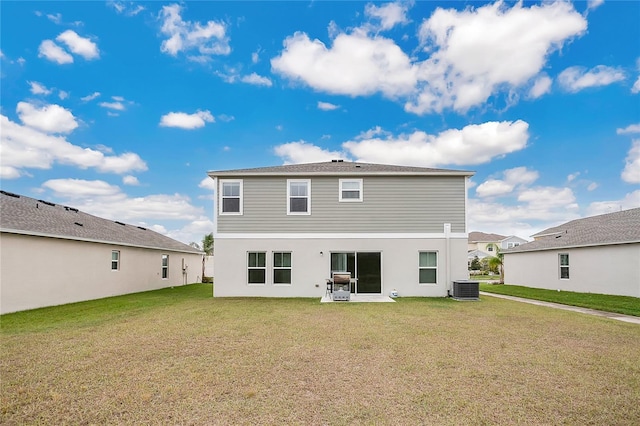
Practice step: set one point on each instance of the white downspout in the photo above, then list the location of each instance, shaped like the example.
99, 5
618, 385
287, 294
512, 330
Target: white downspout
447, 266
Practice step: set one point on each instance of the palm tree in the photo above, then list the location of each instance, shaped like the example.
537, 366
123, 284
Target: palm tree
497, 262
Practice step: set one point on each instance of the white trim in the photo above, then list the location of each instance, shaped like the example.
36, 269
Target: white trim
274, 267
164, 267
560, 266
466, 204
350, 236
350, 200
241, 172
289, 182
221, 197
265, 268
117, 260
215, 205
437, 267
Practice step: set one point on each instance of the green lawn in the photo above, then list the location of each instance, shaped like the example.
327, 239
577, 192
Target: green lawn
603, 302
178, 356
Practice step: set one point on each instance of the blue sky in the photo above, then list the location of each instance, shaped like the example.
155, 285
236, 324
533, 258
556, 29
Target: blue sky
120, 108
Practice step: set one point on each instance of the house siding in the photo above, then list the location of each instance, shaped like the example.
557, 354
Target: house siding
311, 265
392, 204
612, 269
43, 271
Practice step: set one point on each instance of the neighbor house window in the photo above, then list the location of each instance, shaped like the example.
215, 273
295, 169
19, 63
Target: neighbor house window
281, 268
298, 196
350, 190
257, 268
428, 267
489, 248
165, 266
115, 260
564, 266
231, 199
512, 245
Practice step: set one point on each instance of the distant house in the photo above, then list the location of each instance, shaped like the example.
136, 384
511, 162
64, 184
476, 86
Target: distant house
52, 254
282, 231
598, 254
484, 245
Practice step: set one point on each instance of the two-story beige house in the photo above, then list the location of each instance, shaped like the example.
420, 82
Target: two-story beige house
282, 231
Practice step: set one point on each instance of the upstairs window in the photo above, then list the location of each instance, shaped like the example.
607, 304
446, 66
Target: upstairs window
428, 267
350, 190
115, 260
298, 196
564, 266
165, 266
257, 267
231, 199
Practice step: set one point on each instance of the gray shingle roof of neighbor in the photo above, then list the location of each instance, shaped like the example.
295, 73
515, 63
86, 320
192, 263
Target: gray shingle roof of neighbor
481, 237
339, 167
25, 215
611, 228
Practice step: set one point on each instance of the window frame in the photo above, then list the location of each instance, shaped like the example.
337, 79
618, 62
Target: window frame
282, 268
341, 183
115, 262
308, 197
240, 197
250, 268
435, 268
561, 266
164, 271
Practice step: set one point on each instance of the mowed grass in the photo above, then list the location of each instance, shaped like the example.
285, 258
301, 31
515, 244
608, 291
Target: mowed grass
603, 302
178, 356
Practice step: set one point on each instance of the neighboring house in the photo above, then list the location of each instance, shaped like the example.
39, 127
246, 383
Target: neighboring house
282, 231
484, 245
599, 254
52, 254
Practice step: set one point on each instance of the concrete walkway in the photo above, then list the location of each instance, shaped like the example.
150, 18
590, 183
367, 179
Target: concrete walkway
611, 315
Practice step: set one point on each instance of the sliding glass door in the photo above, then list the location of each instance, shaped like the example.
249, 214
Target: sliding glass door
365, 267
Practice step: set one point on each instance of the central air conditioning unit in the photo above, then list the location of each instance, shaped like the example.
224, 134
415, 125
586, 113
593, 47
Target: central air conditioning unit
466, 290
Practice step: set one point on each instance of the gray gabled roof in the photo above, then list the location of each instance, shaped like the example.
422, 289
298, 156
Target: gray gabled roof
482, 237
338, 167
607, 229
28, 216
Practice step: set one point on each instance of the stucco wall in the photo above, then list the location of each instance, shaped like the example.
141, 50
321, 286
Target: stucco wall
310, 268
607, 269
41, 271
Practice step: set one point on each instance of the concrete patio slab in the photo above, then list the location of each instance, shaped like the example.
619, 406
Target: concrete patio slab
361, 298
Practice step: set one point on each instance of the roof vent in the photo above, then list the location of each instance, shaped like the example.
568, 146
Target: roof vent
337, 161
358, 166
47, 203
120, 223
10, 194
78, 223
140, 227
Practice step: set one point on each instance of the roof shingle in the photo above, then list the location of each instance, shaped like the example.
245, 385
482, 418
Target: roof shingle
611, 228
25, 215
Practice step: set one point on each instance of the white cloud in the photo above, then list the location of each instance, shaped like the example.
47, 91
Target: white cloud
541, 86
207, 183
630, 201
632, 128
126, 8
592, 4
326, 106
592, 186
207, 40
255, 56
225, 118
39, 89
119, 106
389, 14
303, 152
631, 172
186, 121
79, 45
257, 80
25, 147
56, 19
574, 79
78, 188
90, 97
130, 180
354, 65
54, 53
573, 176
49, 118
474, 144
513, 178
636, 86
62, 94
